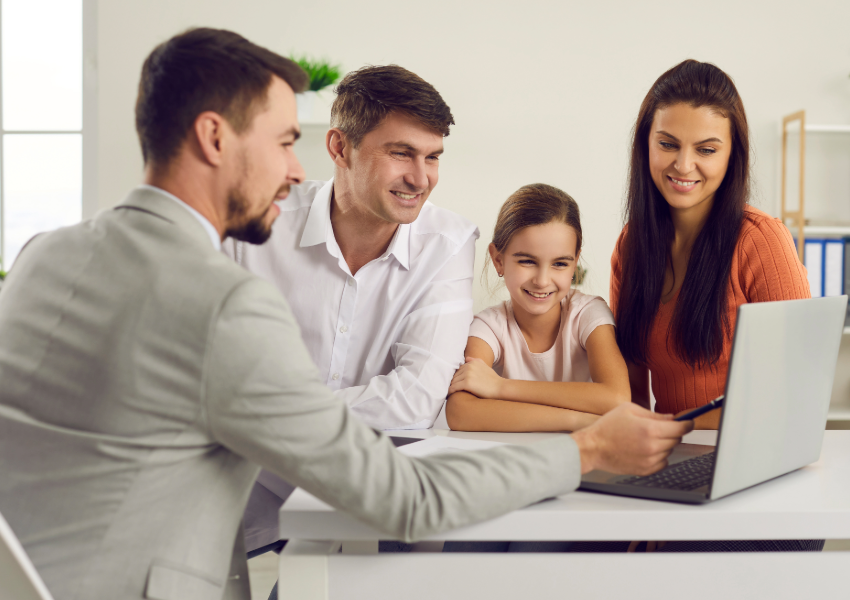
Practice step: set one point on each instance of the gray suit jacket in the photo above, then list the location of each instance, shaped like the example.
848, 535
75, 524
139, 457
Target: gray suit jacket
145, 378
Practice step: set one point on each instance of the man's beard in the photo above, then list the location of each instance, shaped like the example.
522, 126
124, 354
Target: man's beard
253, 230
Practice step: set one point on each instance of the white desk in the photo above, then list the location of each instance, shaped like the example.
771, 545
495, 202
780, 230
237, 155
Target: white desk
811, 503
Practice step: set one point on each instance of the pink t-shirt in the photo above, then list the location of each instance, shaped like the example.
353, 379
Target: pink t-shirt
566, 360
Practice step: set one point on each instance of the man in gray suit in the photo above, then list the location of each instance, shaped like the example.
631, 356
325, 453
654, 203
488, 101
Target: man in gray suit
146, 377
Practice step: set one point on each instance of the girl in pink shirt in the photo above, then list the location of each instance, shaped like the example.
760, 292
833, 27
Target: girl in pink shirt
547, 359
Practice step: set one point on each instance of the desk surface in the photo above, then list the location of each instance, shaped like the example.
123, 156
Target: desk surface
810, 503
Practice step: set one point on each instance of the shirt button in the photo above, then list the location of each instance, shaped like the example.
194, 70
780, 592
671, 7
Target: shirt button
335, 376
343, 329
351, 281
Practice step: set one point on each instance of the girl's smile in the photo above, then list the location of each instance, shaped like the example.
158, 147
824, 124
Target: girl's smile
538, 296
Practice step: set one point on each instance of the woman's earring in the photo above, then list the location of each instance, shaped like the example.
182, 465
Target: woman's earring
499, 274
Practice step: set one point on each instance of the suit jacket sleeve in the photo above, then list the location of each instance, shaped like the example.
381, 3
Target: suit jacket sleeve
265, 402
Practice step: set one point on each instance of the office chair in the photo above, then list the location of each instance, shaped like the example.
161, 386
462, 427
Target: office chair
18, 577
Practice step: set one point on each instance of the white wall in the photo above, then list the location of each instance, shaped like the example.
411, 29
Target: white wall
540, 90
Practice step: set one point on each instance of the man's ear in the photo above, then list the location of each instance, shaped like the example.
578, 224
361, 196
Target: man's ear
210, 134
496, 257
339, 147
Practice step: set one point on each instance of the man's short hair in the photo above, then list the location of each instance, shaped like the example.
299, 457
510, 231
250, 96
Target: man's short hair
365, 97
199, 70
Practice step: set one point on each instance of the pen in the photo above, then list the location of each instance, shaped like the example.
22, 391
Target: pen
716, 403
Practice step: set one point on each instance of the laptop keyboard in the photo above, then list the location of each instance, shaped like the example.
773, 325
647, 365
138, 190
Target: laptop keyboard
686, 475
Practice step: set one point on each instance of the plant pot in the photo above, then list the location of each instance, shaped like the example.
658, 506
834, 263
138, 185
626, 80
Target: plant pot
306, 101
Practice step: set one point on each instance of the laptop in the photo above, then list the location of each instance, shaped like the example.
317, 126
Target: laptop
778, 389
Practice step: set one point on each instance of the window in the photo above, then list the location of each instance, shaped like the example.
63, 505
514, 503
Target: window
41, 120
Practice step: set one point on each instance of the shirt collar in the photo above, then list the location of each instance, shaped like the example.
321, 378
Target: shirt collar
318, 230
208, 227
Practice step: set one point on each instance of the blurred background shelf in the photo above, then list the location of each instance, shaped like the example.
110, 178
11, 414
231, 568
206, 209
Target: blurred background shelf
839, 413
825, 229
823, 216
827, 128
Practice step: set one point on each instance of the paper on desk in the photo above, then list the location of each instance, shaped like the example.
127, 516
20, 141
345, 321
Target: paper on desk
441, 444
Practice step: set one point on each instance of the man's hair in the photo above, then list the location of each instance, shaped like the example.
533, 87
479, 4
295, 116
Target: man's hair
204, 70
365, 97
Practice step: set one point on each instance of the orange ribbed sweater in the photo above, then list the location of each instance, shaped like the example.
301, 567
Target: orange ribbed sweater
765, 267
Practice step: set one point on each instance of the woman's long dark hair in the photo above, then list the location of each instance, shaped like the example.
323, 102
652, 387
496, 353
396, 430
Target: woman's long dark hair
700, 320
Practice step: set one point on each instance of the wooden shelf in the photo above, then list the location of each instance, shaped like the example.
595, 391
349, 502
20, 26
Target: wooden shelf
796, 123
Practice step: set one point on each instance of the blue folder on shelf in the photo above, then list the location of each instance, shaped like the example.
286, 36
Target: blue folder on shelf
813, 259
833, 267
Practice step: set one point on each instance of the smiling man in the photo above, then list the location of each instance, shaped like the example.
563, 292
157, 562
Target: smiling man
378, 278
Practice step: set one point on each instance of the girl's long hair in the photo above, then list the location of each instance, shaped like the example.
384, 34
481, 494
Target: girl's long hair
700, 320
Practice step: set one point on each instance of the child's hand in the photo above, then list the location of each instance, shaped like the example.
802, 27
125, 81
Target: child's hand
477, 378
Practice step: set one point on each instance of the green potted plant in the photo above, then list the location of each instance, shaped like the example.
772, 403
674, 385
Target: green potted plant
322, 74
580, 275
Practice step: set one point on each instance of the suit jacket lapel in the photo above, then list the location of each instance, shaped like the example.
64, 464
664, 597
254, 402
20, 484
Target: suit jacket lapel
159, 205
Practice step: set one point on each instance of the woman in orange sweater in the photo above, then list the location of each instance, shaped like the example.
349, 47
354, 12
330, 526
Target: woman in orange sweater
693, 249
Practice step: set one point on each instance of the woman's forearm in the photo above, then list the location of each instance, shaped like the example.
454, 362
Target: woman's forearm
466, 412
710, 420
585, 397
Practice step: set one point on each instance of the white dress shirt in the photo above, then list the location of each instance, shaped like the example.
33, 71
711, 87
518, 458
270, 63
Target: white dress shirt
388, 339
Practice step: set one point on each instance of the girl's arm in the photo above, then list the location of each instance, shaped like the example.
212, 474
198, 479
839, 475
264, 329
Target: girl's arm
467, 412
610, 386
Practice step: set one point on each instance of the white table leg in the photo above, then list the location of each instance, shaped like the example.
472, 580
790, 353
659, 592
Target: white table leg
303, 570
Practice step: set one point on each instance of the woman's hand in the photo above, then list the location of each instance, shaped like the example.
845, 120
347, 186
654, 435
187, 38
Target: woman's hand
477, 378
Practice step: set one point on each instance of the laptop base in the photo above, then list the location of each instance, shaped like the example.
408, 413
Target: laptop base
608, 483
